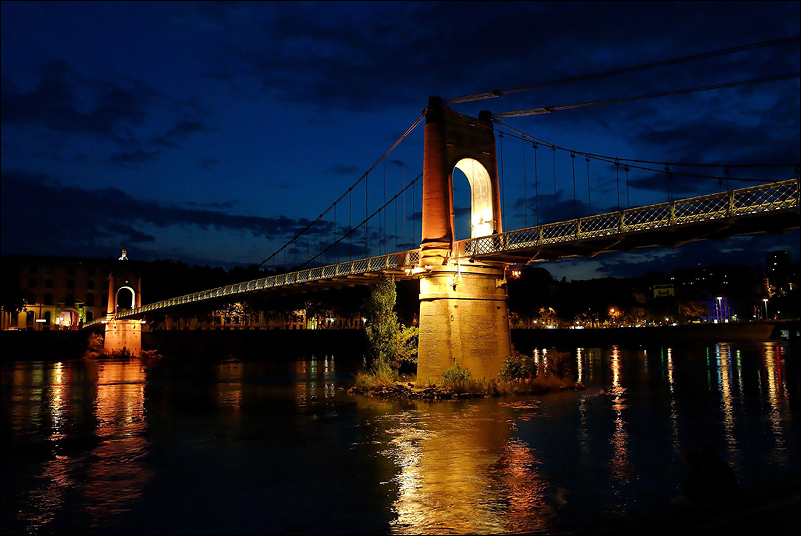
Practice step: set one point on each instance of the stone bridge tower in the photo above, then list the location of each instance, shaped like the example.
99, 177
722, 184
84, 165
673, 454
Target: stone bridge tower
464, 317
124, 292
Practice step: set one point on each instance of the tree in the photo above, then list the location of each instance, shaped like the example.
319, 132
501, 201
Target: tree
391, 344
12, 295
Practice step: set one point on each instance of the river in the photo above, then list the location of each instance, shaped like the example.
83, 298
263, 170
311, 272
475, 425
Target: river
269, 444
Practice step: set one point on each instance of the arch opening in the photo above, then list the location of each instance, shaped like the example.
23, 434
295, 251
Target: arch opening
126, 298
482, 219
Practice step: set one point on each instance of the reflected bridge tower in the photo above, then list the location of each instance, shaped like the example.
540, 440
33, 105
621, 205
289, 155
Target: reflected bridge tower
464, 319
124, 292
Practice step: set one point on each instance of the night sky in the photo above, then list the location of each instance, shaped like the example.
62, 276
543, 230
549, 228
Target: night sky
213, 132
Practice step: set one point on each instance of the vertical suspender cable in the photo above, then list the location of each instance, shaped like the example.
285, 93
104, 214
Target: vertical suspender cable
403, 157
589, 198
414, 235
335, 229
669, 182
366, 213
536, 187
384, 242
573, 163
503, 197
525, 197
628, 199
350, 225
553, 153
617, 181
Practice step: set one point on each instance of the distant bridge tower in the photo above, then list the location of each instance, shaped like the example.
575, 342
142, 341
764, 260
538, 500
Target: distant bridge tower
124, 292
464, 317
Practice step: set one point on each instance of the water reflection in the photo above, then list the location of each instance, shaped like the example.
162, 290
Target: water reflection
723, 359
778, 403
92, 417
230, 376
116, 473
460, 471
674, 412
621, 469
96, 444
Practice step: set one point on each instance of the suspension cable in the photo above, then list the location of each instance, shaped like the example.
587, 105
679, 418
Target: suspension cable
499, 93
611, 159
550, 109
333, 205
350, 231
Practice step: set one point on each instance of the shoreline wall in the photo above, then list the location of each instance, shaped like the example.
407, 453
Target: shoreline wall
64, 345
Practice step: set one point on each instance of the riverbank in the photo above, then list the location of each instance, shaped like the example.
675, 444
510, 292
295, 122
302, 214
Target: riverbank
353, 343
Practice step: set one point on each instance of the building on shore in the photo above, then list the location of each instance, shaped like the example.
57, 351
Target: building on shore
55, 292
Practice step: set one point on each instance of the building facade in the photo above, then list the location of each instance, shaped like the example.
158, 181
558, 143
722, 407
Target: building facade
57, 292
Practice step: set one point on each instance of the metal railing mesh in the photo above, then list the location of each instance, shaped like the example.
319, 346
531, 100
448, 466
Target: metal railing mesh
741, 202
404, 259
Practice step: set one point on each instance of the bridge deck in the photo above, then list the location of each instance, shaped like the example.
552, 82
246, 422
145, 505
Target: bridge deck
769, 208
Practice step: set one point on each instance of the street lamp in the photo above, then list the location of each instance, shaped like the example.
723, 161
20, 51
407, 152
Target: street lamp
766, 307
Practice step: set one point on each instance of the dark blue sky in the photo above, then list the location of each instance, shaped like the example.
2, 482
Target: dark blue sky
211, 133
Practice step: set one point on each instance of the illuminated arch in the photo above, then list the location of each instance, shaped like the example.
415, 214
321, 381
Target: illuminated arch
482, 220
117, 297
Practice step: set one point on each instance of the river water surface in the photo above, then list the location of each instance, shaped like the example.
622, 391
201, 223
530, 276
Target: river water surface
272, 445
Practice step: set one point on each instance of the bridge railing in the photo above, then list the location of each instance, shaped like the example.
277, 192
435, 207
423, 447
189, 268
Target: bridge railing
741, 202
381, 263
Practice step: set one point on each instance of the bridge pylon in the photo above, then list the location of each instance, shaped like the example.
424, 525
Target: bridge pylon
124, 292
464, 318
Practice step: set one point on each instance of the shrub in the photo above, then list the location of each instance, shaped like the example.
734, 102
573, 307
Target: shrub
95, 346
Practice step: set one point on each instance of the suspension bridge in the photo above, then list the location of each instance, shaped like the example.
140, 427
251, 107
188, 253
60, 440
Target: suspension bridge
463, 314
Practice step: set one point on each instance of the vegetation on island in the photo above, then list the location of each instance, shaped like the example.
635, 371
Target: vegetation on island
96, 350
392, 351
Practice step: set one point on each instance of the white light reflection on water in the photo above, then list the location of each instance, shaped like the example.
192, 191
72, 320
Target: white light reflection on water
778, 399
723, 355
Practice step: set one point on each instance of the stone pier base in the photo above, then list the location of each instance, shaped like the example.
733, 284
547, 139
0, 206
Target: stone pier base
123, 335
463, 320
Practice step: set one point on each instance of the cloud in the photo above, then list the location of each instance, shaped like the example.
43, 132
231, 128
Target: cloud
67, 102
351, 171
38, 208
133, 158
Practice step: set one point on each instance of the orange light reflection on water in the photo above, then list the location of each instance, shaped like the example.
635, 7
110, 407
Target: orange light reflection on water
621, 468
459, 471
116, 475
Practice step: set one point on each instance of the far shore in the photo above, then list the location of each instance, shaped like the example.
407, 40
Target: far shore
297, 344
